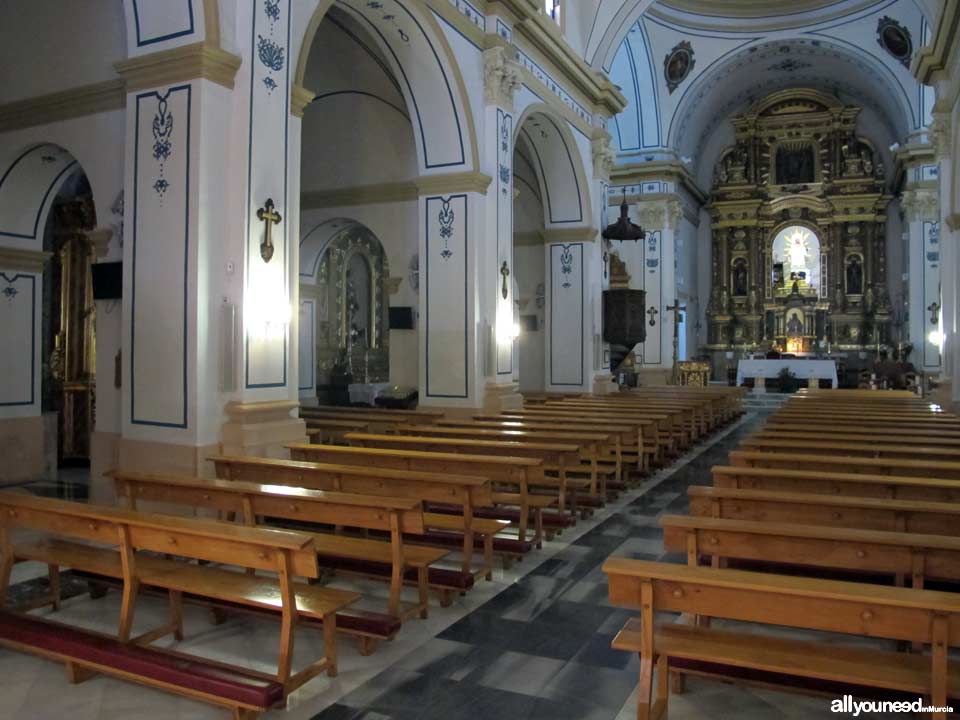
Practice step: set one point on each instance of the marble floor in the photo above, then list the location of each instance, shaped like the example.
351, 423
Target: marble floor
533, 643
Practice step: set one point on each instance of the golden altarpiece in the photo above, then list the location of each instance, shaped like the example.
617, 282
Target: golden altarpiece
798, 211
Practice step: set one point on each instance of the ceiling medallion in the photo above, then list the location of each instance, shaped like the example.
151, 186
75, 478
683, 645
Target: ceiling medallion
677, 65
895, 39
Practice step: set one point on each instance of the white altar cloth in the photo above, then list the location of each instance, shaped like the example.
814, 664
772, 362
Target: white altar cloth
366, 393
803, 369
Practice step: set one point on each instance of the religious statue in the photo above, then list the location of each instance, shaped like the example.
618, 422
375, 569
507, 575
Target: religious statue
854, 277
852, 159
795, 326
740, 279
839, 300
797, 252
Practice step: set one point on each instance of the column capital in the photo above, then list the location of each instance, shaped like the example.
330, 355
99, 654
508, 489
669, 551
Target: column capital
603, 155
501, 75
662, 212
187, 62
99, 239
921, 203
940, 135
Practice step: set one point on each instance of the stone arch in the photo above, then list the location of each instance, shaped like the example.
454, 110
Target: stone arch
421, 58
558, 163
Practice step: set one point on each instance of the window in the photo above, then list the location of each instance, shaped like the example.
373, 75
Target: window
552, 8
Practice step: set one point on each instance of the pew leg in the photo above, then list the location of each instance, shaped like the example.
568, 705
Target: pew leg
76, 673
128, 604
678, 683
423, 591
663, 689
218, 616
6, 567
645, 688
367, 645
245, 714
53, 574
330, 643
446, 598
96, 590
538, 528
176, 614
488, 556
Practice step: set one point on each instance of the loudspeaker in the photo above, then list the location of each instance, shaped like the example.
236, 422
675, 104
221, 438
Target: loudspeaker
624, 313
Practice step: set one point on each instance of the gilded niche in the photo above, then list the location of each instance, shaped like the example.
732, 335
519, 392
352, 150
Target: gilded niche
799, 231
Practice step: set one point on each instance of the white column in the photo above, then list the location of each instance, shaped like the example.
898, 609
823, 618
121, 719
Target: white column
451, 248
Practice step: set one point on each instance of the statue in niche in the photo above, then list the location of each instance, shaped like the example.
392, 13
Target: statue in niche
740, 278
854, 276
867, 161
733, 166
795, 166
795, 326
852, 157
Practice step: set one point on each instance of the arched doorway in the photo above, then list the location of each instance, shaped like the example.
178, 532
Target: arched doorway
551, 205
48, 368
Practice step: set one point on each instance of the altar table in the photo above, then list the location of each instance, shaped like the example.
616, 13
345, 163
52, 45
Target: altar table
366, 393
803, 369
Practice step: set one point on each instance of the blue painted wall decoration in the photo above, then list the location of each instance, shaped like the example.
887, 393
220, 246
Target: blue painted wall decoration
446, 218
566, 265
269, 51
162, 141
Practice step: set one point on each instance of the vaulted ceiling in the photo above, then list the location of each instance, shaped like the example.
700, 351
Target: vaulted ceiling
826, 45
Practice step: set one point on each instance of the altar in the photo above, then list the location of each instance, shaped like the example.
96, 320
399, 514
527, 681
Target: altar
803, 369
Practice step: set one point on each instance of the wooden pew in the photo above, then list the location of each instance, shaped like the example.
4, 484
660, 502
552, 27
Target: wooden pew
515, 471
897, 554
121, 536
907, 433
469, 492
915, 516
620, 436
648, 445
377, 420
804, 480
675, 423
838, 463
424, 415
552, 455
917, 616
597, 450
851, 449
866, 436
322, 430
250, 501
693, 418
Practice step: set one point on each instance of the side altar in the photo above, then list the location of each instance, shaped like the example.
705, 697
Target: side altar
799, 234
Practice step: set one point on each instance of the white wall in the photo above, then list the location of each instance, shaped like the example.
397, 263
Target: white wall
529, 261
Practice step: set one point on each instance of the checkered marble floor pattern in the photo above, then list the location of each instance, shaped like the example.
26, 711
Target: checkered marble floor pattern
533, 644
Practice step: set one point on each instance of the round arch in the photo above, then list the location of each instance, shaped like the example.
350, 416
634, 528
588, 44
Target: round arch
734, 83
558, 164
29, 181
422, 60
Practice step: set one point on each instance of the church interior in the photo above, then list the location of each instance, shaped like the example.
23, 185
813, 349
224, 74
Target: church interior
439, 359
